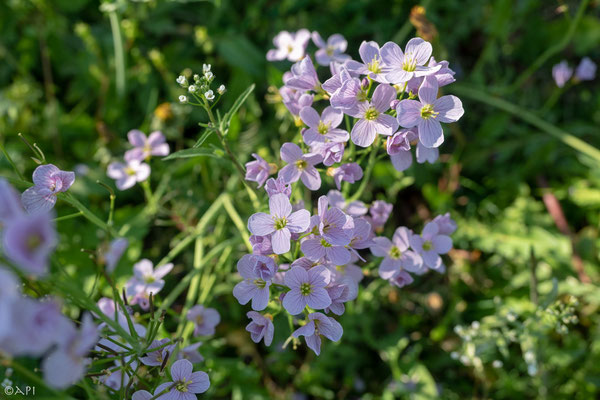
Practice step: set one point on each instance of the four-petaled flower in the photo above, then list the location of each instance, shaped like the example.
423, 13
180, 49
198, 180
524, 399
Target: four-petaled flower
128, 174
319, 325
396, 253
323, 128
204, 319
372, 117
48, 181
307, 288
156, 358
401, 67
186, 383
430, 244
300, 166
257, 272
145, 147
289, 46
332, 50
260, 328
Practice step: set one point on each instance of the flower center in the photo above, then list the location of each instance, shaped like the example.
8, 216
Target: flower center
362, 96
129, 171
301, 164
305, 289
182, 386
149, 279
200, 319
409, 65
427, 112
427, 245
324, 243
280, 223
374, 66
323, 128
33, 242
290, 48
371, 114
259, 283
395, 253
329, 50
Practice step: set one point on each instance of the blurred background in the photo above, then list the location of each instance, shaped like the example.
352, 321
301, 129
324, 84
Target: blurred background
516, 314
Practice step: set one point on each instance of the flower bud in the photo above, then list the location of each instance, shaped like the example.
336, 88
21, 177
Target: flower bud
182, 80
208, 75
394, 104
183, 99
209, 95
364, 83
221, 89
192, 89
205, 68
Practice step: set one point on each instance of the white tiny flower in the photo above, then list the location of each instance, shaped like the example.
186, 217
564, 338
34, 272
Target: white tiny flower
208, 75
209, 95
183, 99
497, 364
454, 355
475, 325
221, 89
182, 80
205, 68
192, 89
196, 77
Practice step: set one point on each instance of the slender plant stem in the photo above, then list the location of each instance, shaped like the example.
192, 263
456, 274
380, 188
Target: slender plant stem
11, 162
70, 216
119, 53
88, 214
237, 220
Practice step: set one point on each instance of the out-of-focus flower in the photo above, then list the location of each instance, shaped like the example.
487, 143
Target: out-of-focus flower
380, 212
561, 73
300, 166
191, 353
401, 278
146, 280
295, 100
186, 383
396, 254
372, 117
261, 245
332, 50
350, 172
127, 175
145, 147
156, 358
307, 288
319, 325
586, 70
116, 248
48, 181
9, 293
260, 328
205, 320
258, 170
10, 204
355, 208
430, 244
446, 225
257, 272
289, 46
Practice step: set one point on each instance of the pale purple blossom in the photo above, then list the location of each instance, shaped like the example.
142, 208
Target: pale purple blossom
204, 319
426, 154
156, 358
146, 147
28, 241
350, 172
372, 63
300, 166
295, 100
398, 147
258, 170
561, 73
127, 175
274, 186
362, 235
444, 76
280, 224
186, 383
430, 244
303, 76
141, 395
401, 278
354, 209
339, 294
402, 66
319, 325
191, 353
323, 128
288, 45
67, 363
332, 152
146, 280
10, 203
333, 224
586, 70
48, 181
427, 113
348, 94
115, 251
336, 81
380, 212
332, 50
446, 225
261, 245
372, 117
396, 253
317, 248
307, 288
9, 293
257, 271
260, 328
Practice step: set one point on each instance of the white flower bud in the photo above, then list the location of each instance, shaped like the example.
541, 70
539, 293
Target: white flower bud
208, 75
196, 77
497, 364
192, 89
205, 68
209, 95
182, 80
221, 89
183, 99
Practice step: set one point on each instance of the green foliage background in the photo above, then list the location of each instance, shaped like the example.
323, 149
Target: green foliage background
65, 85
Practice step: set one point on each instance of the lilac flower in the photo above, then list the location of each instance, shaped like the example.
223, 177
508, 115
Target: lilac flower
401, 278
319, 324
260, 328
257, 171
332, 50
275, 186
307, 288
332, 152
289, 46
257, 271
145, 147
444, 76
157, 357
336, 81
186, 383
401, 67
398, 147
316, 248
280, 223
348, 274
295, 100
141, 395
380, 212
303, 77
9, 292
354, 208
349, 92
561, 73
372, 63
446, 225
323, 128
191, 354
334, 226
205, 320
10, 204
372, 120
128, 174
261, 245
115, 251
350, 172
28, 241
48, 181
362, 235
67, 363
586, 70
339, 295
396, 253
430, 244
146, 280
427, 154
300, 166
427, 113
119, 378
35, 327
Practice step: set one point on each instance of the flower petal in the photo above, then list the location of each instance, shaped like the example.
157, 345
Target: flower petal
261, 224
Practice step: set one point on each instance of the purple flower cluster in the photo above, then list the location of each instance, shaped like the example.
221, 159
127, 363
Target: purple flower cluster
585, 71
134, 169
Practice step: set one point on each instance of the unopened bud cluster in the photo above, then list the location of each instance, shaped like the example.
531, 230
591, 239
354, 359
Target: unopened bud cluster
201, 86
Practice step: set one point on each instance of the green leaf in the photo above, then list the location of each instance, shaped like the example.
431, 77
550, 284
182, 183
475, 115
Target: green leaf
190, 153
238, 103
203, 138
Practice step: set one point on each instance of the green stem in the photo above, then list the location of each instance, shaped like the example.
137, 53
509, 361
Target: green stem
528, 117
119, 53
70, 216
11, 162
87, 213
